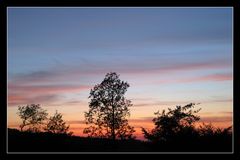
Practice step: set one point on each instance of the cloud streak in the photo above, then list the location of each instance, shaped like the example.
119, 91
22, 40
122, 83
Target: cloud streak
76, 122
206, 78
47, 89
212, 77
25, 94
156, 103
22, 99
131, 69
214, 119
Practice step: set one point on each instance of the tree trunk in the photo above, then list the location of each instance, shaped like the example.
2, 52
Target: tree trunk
113, 127
22, 125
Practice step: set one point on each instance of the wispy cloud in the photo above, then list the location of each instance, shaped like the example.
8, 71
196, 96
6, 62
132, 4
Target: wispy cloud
208, 119
157, 103
212, 77
46, 89
34, 77
132, 69
206, 78
142, 119
225, 113
76, 122
25, 94
22, 99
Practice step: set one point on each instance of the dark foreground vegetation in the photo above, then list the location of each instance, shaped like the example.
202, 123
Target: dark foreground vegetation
49, 142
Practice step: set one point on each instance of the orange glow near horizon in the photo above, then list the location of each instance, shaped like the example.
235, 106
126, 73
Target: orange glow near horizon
77, 126
141, 115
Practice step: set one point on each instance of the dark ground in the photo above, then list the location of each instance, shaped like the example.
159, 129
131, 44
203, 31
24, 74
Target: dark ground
46, 142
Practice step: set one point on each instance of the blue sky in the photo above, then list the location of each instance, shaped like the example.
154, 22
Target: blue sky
71, 34
168, 55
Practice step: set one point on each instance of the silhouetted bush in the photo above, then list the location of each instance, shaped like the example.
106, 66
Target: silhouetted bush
175, 123
175, 131
35, 118
32, 116
57, 125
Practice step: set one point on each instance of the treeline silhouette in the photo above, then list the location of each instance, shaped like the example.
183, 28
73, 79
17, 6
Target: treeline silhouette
35, 119
175, 129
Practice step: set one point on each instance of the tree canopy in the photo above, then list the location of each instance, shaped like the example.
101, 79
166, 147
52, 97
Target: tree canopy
57, 125
175, 122
109, 109
32, 116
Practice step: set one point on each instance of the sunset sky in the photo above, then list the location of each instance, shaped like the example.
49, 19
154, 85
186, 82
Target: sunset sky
169, 56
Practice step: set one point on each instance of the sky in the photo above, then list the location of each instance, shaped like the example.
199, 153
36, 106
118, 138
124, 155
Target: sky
169, 56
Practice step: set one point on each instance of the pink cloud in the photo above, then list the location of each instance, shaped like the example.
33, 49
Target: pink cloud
225, 113
133, 69
211, 77
178, 67
159, 103
47, 88
24, 94
22, 99
76, 122
214, 119
155, 103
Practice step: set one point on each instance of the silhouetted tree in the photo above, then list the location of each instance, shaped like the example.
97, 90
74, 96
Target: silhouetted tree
108, 109
176, 122
57, 125
32, 116
208, 130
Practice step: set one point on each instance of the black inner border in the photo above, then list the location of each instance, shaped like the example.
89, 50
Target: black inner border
123, 3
